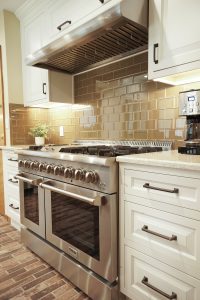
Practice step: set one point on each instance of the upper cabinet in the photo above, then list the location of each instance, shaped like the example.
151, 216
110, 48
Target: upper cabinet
174, 37
41, 87
63, 15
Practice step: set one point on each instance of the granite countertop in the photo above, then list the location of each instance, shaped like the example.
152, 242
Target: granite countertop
14, 147
170, 159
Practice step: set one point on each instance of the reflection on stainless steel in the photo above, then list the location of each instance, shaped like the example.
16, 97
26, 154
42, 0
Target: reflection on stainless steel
25, 178
79, 275
71, 191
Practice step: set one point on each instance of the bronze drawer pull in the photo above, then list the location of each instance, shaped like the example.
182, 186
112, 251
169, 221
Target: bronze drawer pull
169, 238
61, 25
12, 206
145, 282
12, 180
148, 186
12, 159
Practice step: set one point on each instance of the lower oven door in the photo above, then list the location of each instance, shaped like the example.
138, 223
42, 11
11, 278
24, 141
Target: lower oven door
83, 224
32, 203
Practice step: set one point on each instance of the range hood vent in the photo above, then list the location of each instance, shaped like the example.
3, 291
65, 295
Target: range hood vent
104, 39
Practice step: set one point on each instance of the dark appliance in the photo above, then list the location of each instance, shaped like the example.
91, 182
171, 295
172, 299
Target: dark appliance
189, 106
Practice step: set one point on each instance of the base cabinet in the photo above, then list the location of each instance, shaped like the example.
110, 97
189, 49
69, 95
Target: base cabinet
11, 187
146, 278
159, 233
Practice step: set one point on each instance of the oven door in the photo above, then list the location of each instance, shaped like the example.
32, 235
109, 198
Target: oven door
32, 203
83, 224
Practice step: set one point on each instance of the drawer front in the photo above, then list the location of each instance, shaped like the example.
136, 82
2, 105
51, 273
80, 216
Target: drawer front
10, 181
12, 207
188, 194
172, 239
11, 159
143, 274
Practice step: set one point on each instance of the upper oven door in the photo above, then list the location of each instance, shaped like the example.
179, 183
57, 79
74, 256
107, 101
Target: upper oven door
83, 223
32, 203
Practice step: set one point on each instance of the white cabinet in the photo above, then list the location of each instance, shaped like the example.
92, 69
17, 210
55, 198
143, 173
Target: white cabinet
159, 232
41, 86
62, 15
146, 278
174, 37
11, 187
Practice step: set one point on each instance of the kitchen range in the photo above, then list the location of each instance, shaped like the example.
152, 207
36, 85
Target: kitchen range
69, 210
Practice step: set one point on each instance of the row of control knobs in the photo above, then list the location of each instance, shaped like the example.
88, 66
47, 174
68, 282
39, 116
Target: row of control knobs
88, 176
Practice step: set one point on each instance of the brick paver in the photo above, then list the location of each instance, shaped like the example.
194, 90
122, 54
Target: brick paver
23, 275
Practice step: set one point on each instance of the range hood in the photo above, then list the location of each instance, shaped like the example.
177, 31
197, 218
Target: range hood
118, 29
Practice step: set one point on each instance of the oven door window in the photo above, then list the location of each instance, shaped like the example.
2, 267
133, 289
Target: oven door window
76, 222
31, 209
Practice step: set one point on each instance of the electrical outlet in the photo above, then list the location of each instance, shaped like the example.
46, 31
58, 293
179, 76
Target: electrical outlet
61, 130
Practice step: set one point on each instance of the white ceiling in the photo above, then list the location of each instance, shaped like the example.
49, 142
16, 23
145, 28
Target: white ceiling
11, 5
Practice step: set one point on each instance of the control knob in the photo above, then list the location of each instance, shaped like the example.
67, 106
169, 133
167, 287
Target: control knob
69, 172
91, 177
42, 167
20, 163
77, 174
56, 170
49, 168
27, 163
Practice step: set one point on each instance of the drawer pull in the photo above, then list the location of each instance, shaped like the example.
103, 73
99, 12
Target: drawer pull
12, 180
12, 206
148, 186
66, 22
145, 282
155, 48
169, 238
12, 159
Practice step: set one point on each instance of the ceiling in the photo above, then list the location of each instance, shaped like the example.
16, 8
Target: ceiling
11, 5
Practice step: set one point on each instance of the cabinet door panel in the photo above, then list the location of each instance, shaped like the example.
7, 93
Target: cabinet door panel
166, 280
150, 230
175, 27
188, 194
71, 10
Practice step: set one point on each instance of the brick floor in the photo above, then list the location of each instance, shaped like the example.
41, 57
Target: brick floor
23, 275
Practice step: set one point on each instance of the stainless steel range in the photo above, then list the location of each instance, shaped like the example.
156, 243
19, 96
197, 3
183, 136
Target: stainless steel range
69, 211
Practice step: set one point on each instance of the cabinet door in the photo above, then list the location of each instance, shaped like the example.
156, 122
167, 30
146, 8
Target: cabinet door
64, 14
35, 79
174, 35
33, 35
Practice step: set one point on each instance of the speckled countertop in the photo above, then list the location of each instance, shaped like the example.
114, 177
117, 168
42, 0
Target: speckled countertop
170, 159
14, 147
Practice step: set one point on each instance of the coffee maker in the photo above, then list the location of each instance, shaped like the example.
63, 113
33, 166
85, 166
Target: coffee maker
189, 106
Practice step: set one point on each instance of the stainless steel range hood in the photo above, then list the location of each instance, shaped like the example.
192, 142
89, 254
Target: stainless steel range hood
118, 29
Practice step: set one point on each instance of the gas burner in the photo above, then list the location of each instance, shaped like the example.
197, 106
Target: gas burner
109, 151
35, 148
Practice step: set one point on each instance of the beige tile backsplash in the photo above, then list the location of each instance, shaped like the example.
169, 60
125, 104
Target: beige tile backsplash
119, 103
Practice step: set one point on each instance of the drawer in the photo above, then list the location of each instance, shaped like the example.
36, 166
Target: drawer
12, 207
143, 273
11, 159
172, 239
10, 181
175, 190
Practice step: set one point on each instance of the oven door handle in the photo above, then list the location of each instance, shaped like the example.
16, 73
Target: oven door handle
96, 201
23, 177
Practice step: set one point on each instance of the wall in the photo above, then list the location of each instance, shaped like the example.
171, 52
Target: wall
11, 63
118, 102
